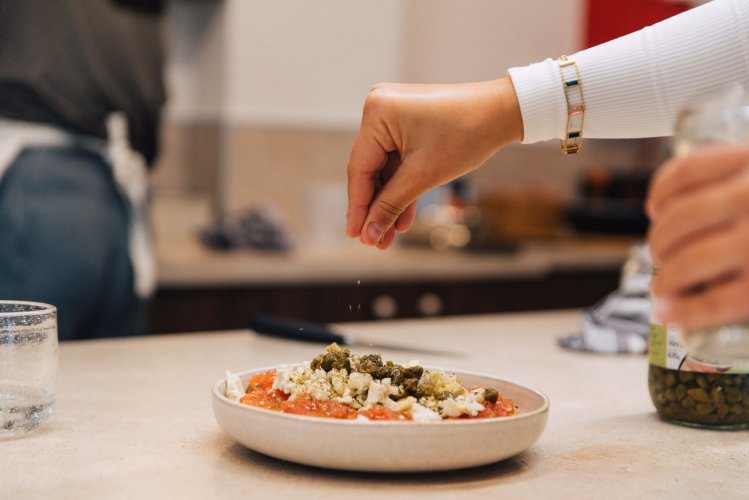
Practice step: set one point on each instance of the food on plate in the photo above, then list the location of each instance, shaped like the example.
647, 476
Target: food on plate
339, 384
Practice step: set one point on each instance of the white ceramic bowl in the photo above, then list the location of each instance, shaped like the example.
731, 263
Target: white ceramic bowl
378, 446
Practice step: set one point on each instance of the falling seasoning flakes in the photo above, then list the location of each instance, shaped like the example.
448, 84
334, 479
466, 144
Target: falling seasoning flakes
358, 306
301, 329
350, 308
358, 282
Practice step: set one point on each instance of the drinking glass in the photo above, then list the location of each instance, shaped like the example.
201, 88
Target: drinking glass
28, 365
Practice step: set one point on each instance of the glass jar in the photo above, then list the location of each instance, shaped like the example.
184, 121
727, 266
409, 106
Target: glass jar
702, 378
687, 390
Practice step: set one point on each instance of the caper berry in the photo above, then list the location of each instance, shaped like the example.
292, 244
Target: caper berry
681, 391
411, 387
699, 394
491, 394
686, 376
413, 372
703, 408
334, 357
733, 395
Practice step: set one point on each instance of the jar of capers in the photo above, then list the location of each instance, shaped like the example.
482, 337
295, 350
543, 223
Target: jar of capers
706, 382
691, 391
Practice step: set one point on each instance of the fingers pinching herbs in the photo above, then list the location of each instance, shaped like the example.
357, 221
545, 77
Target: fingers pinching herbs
414, 138
367, 158
406, 219
390, 204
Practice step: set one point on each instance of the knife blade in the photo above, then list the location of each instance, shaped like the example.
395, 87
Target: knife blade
290, 329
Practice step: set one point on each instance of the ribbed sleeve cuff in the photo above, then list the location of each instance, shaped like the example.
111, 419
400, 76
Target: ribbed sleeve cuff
542, 103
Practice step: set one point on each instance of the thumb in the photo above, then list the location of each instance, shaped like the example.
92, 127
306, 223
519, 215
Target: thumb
389, 204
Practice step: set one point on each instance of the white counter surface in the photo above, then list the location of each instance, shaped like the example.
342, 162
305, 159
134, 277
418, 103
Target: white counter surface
189, 264
134, 420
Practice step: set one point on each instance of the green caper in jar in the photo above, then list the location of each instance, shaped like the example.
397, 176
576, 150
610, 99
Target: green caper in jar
702, 399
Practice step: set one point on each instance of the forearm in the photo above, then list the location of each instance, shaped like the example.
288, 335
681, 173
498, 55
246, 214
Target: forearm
634, 86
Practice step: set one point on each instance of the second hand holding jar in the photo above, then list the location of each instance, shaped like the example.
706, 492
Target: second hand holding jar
701, 378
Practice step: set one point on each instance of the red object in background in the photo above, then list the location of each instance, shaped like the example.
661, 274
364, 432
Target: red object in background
609, 19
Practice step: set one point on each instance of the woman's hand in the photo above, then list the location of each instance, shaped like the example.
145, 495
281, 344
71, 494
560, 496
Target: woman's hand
416, 137
699, 237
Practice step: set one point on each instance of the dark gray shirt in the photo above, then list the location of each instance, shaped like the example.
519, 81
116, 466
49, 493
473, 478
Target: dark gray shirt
72, 62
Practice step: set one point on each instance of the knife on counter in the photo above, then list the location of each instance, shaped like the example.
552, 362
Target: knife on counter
290, 329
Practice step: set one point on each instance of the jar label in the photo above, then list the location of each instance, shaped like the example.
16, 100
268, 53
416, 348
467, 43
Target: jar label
666, 350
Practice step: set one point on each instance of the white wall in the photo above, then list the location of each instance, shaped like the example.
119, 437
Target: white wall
310, 64
195, 35
469, 40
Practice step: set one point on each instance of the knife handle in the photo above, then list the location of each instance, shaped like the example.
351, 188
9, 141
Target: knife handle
286, 328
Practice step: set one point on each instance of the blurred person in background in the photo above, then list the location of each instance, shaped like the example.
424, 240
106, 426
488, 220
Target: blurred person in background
80, 95
416, 137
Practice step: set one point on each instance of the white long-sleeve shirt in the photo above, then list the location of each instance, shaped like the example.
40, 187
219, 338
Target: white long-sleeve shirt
634, 86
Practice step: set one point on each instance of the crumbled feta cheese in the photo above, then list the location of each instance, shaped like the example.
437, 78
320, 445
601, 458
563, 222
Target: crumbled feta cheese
478, 394
316, 385
404, 404
338, 382
465, 404
347, 399
421, 413
380, 392
377, 392
302, 380
412, 363
358, 381
234, 389
287, 377
472, 406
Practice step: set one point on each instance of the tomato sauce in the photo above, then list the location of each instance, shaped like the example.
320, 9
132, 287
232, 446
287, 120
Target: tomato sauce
502, 408
305, 405
260, 392
382, 413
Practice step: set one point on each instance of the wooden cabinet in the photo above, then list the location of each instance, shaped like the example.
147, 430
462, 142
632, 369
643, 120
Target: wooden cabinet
184, 309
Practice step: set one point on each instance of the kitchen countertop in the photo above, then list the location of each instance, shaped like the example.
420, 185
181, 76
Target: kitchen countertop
134, 419
191, 265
